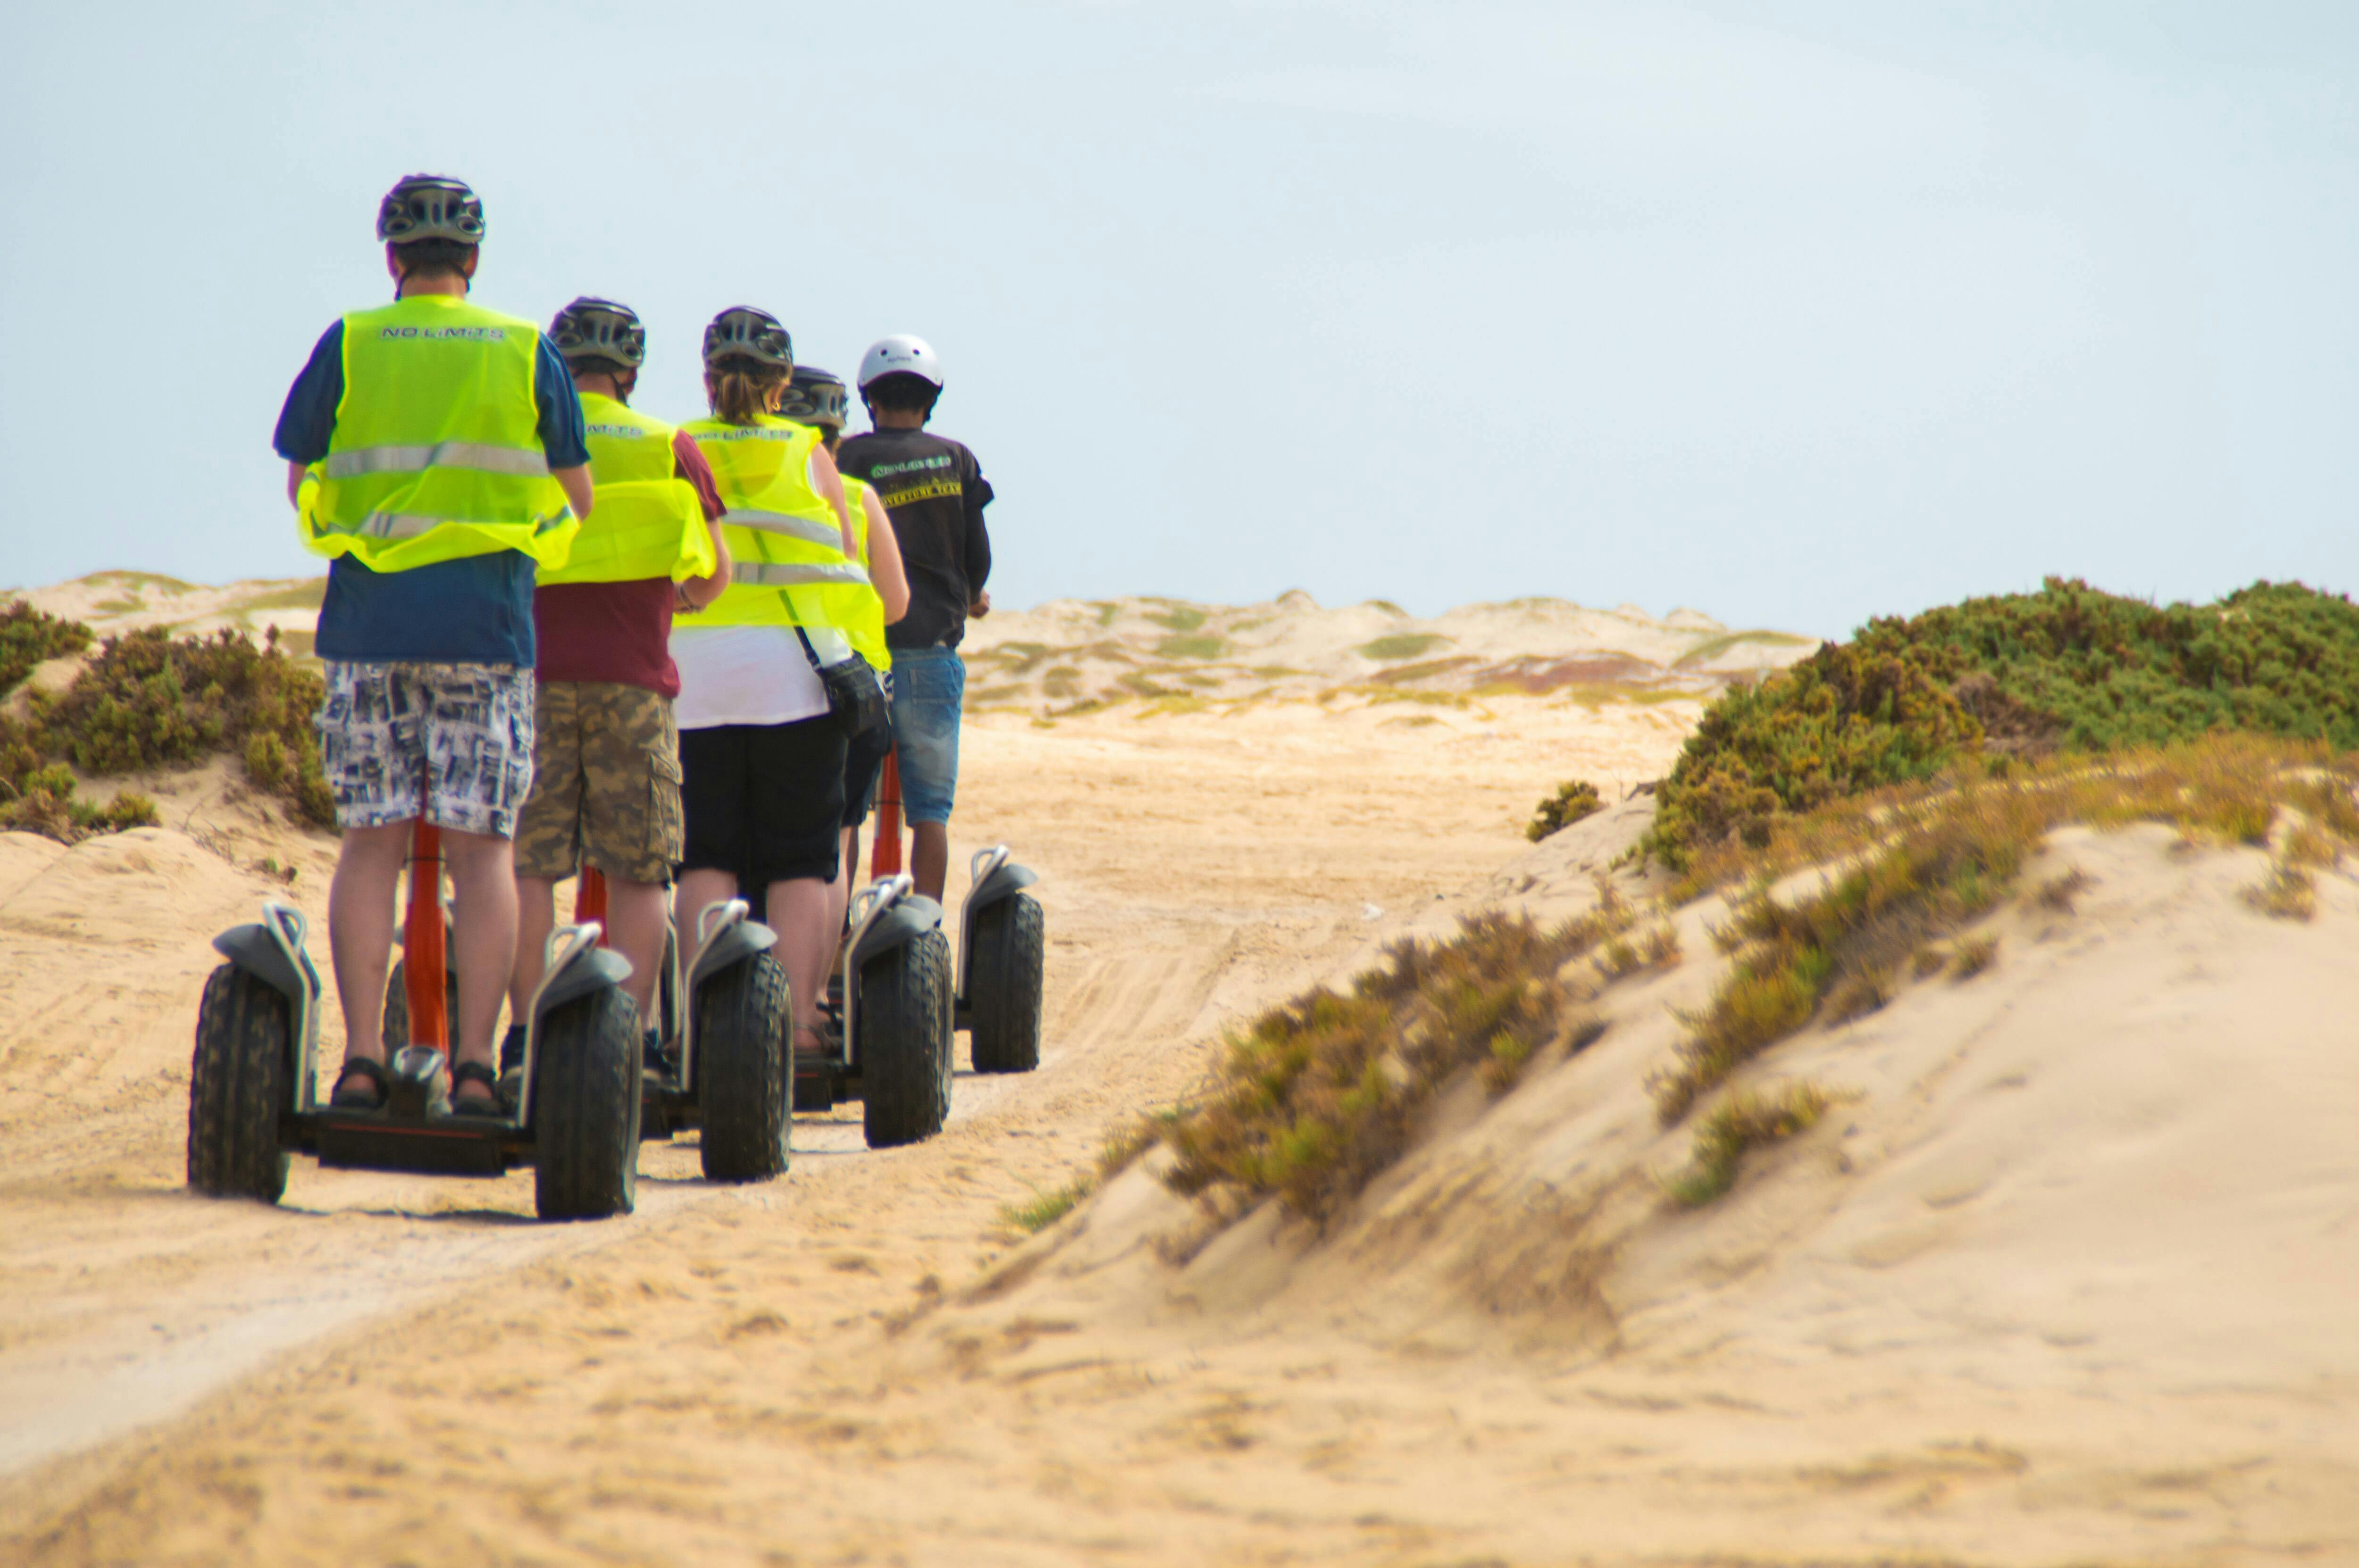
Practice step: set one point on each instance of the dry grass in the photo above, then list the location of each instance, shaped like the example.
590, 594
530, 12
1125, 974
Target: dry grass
1735, 1127
1922, 862
2288, 892
1318, 1095
1974, 956
2057, 894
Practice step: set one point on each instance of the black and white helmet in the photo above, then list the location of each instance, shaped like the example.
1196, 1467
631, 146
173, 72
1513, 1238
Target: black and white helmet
744, 332
817, 397
429, 207
591, 327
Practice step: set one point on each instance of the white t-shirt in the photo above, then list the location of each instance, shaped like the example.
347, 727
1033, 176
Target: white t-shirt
743, 674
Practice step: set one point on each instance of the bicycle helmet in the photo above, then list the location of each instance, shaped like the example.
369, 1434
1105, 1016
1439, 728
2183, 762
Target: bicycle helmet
591, 327
429, 207
901, 354
816, 396
742, 331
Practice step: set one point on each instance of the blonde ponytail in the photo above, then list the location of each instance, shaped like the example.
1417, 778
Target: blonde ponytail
741, 391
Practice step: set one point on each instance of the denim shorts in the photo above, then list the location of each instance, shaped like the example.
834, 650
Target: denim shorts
929, 688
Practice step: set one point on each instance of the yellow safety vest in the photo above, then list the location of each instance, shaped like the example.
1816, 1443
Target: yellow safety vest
646, 522
436, 454
857, 609
783, 537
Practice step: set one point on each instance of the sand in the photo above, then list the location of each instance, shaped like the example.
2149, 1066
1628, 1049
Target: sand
2066, 1278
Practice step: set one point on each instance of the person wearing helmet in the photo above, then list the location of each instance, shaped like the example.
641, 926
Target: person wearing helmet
605, 778
816, 398
934, 492
435, 453
761, 750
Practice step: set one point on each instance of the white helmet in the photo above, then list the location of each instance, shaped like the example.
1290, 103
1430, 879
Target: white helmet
901, 354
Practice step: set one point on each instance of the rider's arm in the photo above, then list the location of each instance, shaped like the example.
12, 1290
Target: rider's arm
885, 573
830, 485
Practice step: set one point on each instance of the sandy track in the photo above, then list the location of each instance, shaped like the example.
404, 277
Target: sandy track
1195, 867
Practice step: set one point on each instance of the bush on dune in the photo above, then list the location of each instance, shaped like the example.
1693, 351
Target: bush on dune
2020, 674
147, 700
29, 637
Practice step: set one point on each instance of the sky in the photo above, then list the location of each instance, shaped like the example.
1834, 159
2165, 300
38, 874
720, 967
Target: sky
1794, 314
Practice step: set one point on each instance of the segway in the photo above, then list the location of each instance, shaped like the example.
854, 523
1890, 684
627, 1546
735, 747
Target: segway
888, 1038
253, 1092
724, 1068
1003, 939
1003, 942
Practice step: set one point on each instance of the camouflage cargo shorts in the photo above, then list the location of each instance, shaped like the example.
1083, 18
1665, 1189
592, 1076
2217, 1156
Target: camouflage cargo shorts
605, 783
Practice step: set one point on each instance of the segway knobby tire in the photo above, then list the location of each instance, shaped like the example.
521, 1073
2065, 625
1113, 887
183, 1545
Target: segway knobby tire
237, 1086
905, 1044
586, 1108
744, 1071
1003, 985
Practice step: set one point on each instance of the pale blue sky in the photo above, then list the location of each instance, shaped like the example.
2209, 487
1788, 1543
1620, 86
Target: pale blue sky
1792, 313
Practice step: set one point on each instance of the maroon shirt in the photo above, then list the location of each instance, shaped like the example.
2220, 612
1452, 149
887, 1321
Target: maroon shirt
619, 632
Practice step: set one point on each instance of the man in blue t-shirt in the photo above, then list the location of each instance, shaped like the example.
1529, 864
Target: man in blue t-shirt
430, 702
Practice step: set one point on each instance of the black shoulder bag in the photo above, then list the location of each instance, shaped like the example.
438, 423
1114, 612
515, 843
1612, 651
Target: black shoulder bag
855, 695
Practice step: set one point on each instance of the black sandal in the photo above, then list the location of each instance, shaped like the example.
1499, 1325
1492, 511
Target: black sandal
348, 1096
476, 1073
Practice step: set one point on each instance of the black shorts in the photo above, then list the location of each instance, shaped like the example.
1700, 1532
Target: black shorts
764, 801
864, 760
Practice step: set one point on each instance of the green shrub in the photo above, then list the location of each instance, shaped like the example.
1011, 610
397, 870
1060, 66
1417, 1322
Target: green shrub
28, 637
1573, 799
148, 702
2019, 674
1737, 1126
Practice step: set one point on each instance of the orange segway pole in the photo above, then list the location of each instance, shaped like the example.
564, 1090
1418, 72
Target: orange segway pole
421, 942
887, 860
590, 899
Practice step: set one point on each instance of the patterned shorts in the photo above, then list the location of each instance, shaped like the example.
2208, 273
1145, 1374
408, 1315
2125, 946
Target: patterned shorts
605, 783
449, 742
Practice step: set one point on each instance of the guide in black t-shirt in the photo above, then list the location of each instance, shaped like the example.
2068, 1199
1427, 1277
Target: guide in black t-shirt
935, 491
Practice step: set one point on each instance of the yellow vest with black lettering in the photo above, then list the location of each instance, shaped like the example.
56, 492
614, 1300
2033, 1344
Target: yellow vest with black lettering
436, 454
784, 539
858, 609
645, 521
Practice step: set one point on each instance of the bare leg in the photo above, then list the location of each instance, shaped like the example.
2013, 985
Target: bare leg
360, 930
929, 856
847, 877
799, 911
698, 890
536, 918
484, 937
635, 924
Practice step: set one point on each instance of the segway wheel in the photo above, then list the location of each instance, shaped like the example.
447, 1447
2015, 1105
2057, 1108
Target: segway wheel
586, 1108
745, 1073
238, 1083
1003, 985
396, 1029
905, 1042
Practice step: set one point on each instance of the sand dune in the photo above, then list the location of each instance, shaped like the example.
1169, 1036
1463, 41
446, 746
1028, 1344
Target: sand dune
2065, 1277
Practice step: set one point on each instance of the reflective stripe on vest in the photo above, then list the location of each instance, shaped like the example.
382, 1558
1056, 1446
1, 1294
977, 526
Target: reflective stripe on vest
645, 523
785, 542
442, 454
856, 608
796, 574
436, 454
